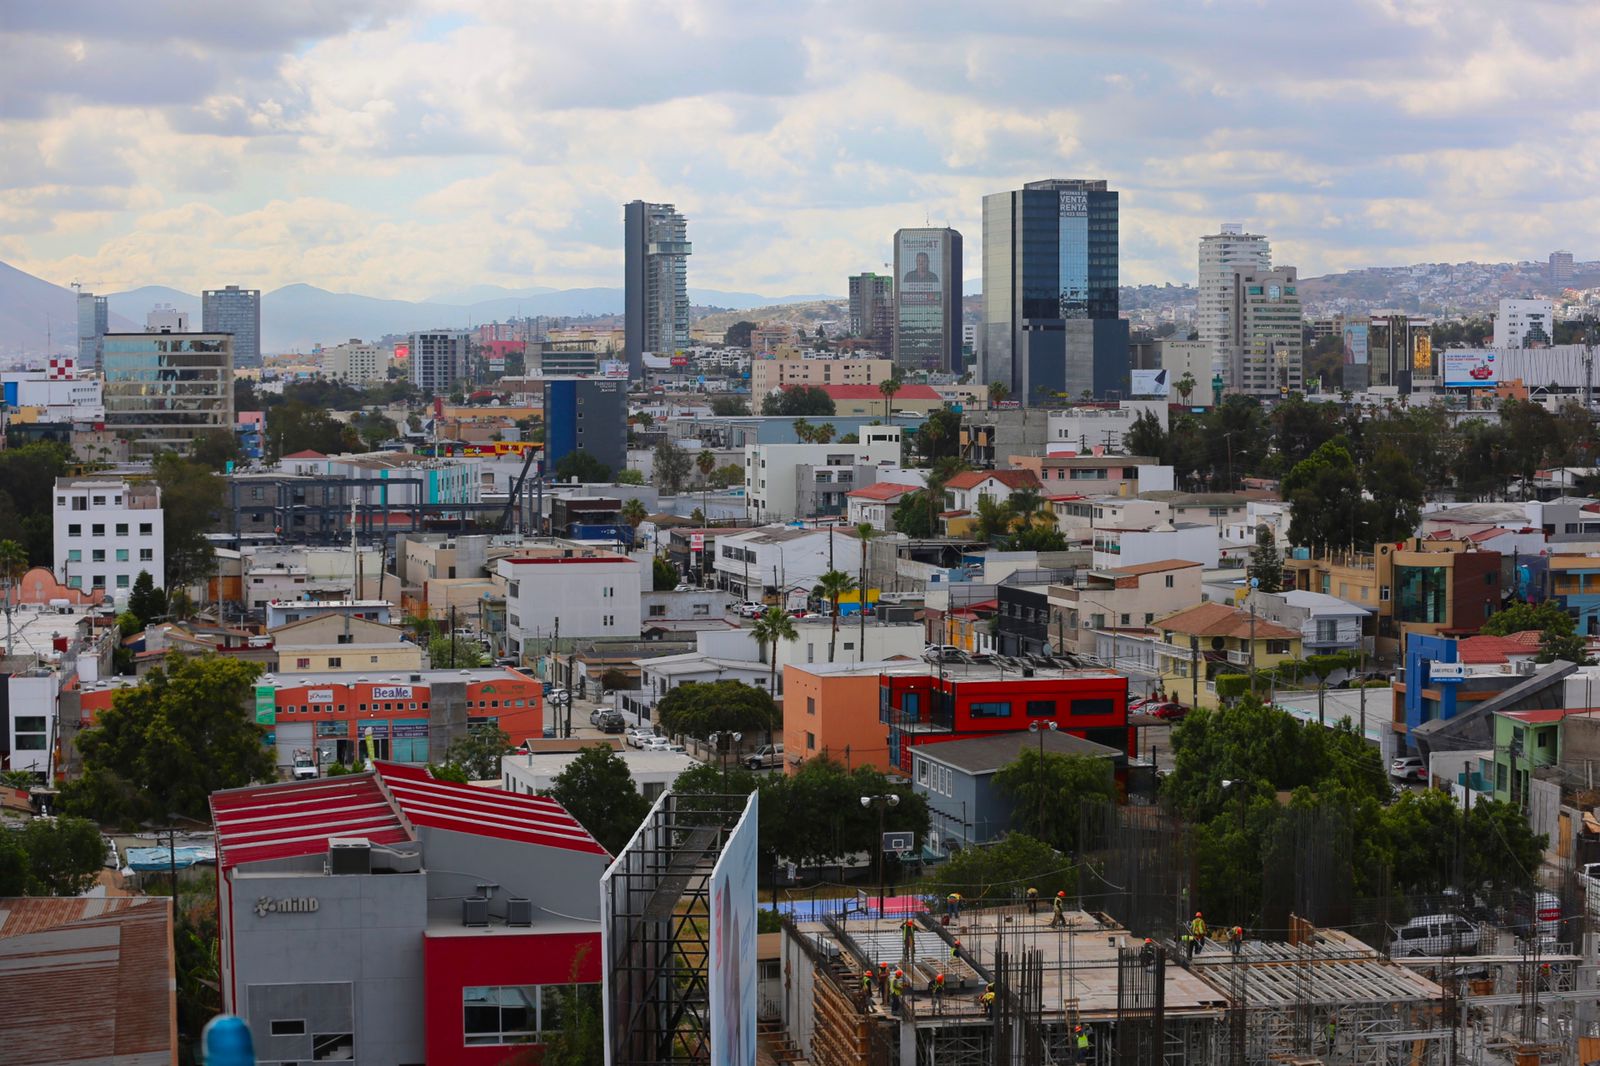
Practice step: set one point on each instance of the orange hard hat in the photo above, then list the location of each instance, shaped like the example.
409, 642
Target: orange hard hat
1238, 929
883, 966
899, 973
939, 980
958, 940
1197, 914
1062, 894
1147, 940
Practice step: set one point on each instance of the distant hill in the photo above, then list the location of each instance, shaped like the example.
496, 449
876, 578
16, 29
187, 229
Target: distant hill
38, 318
135, 304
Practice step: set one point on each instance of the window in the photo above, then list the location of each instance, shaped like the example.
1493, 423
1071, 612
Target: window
335, 663
98, 529
922, 771
333, 1047
991, 709
701, 610
75, 555
97, 555
146, 529
811, 705
504, 1014
811, 742
122, 581
74, 530
288, 1027
1041, 708
1126, 619
1327, 630
1277, 647
658, 610
302, 664
1092, 707
1169, 581
122, 555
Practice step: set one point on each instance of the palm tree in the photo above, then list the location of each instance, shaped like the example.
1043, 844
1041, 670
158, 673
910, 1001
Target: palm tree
13, 564
998, 391
834, 584
705, 462
865, 533
773, 625
823, 434
802, 430
1185, 386
633, 513
888, 386
993, 519
1024, 503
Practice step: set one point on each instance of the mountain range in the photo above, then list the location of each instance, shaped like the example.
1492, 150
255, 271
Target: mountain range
36, 315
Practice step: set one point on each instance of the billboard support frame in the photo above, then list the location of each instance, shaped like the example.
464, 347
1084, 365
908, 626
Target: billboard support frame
655, 914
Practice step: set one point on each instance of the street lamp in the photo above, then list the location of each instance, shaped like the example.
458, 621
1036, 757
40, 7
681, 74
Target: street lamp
1039, 728
717, 739
883, 803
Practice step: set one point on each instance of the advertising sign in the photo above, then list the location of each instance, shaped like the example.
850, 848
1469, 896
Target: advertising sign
919, 299
320, 695
1469, 368
697, 542
613, 368
1355, 345
732, 970
266, 705
391, 692
680, 360
1422, 353
1150, 382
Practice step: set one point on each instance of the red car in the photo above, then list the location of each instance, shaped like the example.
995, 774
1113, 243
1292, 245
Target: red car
1169, 711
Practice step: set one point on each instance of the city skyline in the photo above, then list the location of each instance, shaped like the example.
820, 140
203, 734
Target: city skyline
319, 145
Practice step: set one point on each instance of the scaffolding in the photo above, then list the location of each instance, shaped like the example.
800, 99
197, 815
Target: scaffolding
657, 912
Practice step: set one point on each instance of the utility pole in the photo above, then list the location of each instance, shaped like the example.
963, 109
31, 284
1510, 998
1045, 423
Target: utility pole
1255, 583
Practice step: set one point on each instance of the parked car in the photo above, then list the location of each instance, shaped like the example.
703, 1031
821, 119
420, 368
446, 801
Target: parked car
637, 736
611, 722
683, 586
1436, 934
1167, 711
658, 744
1409, 768
750, 609
765, 757
936, 653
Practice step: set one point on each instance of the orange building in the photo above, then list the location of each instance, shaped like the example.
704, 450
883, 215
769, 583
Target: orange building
832, 709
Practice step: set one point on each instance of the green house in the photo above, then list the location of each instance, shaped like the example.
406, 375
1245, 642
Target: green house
1523, 740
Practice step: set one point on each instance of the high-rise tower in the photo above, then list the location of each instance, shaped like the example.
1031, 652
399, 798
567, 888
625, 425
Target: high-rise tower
656, 305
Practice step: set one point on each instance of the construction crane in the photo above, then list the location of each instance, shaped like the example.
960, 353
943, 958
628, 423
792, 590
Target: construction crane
513, 501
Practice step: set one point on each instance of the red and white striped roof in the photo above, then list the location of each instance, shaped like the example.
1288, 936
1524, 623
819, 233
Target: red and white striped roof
299, 818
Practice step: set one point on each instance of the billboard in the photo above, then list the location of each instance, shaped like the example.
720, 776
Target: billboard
1469, 368
1355, 344
1150, 382
1422, 353
732, 969
919, 260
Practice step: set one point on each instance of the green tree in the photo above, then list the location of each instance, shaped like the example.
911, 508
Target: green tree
1500, 848
671, 465
166, 744
729, 406
579, 1037
1039, 539
192, 500
146, 601
705, 462
698, 710
940, 436
912, 515
16, 874
634, 513
774, 625
723, 476
597, 789
630, 477
13, 565
998, 393
806, 401
449, 771
455, 652
738, 334
663, 575
216, 449
1324, 491
65, 855
993, 521
585, 468
866, 535
835, 583
478, 752
1004, 870
1185, 386
27, 486
296, 426
1266, 565
823, 820
1146, 437
1559, 638
1396, 492
1054, 789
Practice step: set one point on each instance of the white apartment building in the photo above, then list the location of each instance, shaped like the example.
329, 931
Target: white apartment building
1197, 359
1525, 324
1093, 426
106, 531
770, 374
164, 318
355, 362
771, 471
438, 360
1222, 254
778, 559
1267, 354
583, 592
51, 397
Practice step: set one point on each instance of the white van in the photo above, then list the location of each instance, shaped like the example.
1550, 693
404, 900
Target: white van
1435, 934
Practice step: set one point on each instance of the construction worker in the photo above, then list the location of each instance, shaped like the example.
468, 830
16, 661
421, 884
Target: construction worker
1033, 900
952, 906
1197, 931
955, 951
897, 988
908, 931
936, 992
1058, 906
987, 999
866, 985
1188, 940
1331, 1030
1236, 939
883, 981
1147, 953
1080, 1044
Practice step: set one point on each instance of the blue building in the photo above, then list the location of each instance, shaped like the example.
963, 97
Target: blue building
586, 414
1050, 298
1575, 582
1438, 681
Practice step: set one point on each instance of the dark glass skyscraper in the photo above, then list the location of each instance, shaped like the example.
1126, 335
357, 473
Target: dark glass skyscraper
1050, 322
927, 318
236, 311
656, 297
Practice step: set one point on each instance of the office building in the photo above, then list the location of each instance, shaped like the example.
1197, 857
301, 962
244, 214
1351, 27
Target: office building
356, 363
162, 390
108, 531
656, 301
94, 322
438, 360
164, 318
578, 591
1560, 267
236, 311
1050, 301
770, 373
872, 308
927, 313
1524, 324
1266, 356
390, 917
588, 415
1222, 255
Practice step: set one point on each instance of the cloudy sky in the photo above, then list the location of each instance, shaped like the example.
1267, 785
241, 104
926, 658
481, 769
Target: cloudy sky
403, 148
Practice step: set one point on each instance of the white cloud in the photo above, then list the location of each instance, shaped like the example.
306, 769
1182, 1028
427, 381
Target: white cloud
401, 149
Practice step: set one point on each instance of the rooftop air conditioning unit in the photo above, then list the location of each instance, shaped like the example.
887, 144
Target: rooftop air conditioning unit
349, 855
475, 911
519, 912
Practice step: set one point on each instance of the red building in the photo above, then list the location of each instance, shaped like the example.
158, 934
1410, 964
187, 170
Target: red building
961, 702
392, 917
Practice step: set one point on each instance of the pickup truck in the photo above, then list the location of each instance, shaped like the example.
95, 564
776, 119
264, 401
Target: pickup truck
765, 757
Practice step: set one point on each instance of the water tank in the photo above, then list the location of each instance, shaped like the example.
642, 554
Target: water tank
519, 911
475, 911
